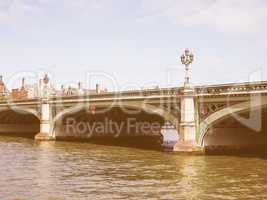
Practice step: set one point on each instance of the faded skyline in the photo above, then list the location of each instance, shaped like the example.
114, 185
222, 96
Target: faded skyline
137, 42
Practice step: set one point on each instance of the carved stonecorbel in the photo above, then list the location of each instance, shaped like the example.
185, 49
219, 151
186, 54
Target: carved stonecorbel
206, 109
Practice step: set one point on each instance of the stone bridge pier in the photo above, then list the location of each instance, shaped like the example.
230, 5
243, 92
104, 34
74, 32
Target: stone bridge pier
45, 114
46, 133
187, 126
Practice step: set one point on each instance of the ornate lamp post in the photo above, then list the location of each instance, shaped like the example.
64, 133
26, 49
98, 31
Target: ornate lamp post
187, 126
45, 89
187, 58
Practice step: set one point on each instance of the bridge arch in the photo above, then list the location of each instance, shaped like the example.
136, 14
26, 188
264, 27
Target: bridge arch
19, 121
231, 111
19, 110
144, 108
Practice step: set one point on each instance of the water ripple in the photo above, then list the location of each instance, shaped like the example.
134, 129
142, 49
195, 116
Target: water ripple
75, 171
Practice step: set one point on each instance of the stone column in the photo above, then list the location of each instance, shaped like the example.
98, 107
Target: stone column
187, 129
45, 123
45, 114
187, 125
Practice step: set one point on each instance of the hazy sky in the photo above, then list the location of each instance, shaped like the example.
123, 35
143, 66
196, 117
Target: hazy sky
137, 42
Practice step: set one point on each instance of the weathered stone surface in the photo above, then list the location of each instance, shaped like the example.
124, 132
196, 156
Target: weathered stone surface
188, 148
43, 137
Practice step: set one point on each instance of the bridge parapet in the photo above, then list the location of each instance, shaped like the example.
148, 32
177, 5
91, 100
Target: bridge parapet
133, 93
205, 90
228, 89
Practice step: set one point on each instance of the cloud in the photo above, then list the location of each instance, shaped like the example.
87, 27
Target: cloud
227, 16
31, 14
17, 11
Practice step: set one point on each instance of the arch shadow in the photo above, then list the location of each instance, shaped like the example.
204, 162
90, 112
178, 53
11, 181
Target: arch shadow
147, 108
231, 111
22, 122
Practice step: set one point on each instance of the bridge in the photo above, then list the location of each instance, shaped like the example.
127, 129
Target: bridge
207, 116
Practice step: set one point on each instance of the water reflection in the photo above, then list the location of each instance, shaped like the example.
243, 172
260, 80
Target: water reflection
192, 170
70, 171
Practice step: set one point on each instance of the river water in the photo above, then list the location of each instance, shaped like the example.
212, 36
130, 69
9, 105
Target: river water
82, 171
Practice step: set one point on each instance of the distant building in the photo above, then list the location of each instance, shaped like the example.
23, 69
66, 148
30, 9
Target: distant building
72, 91
32, 91
18, 94
3, 89
25, 92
